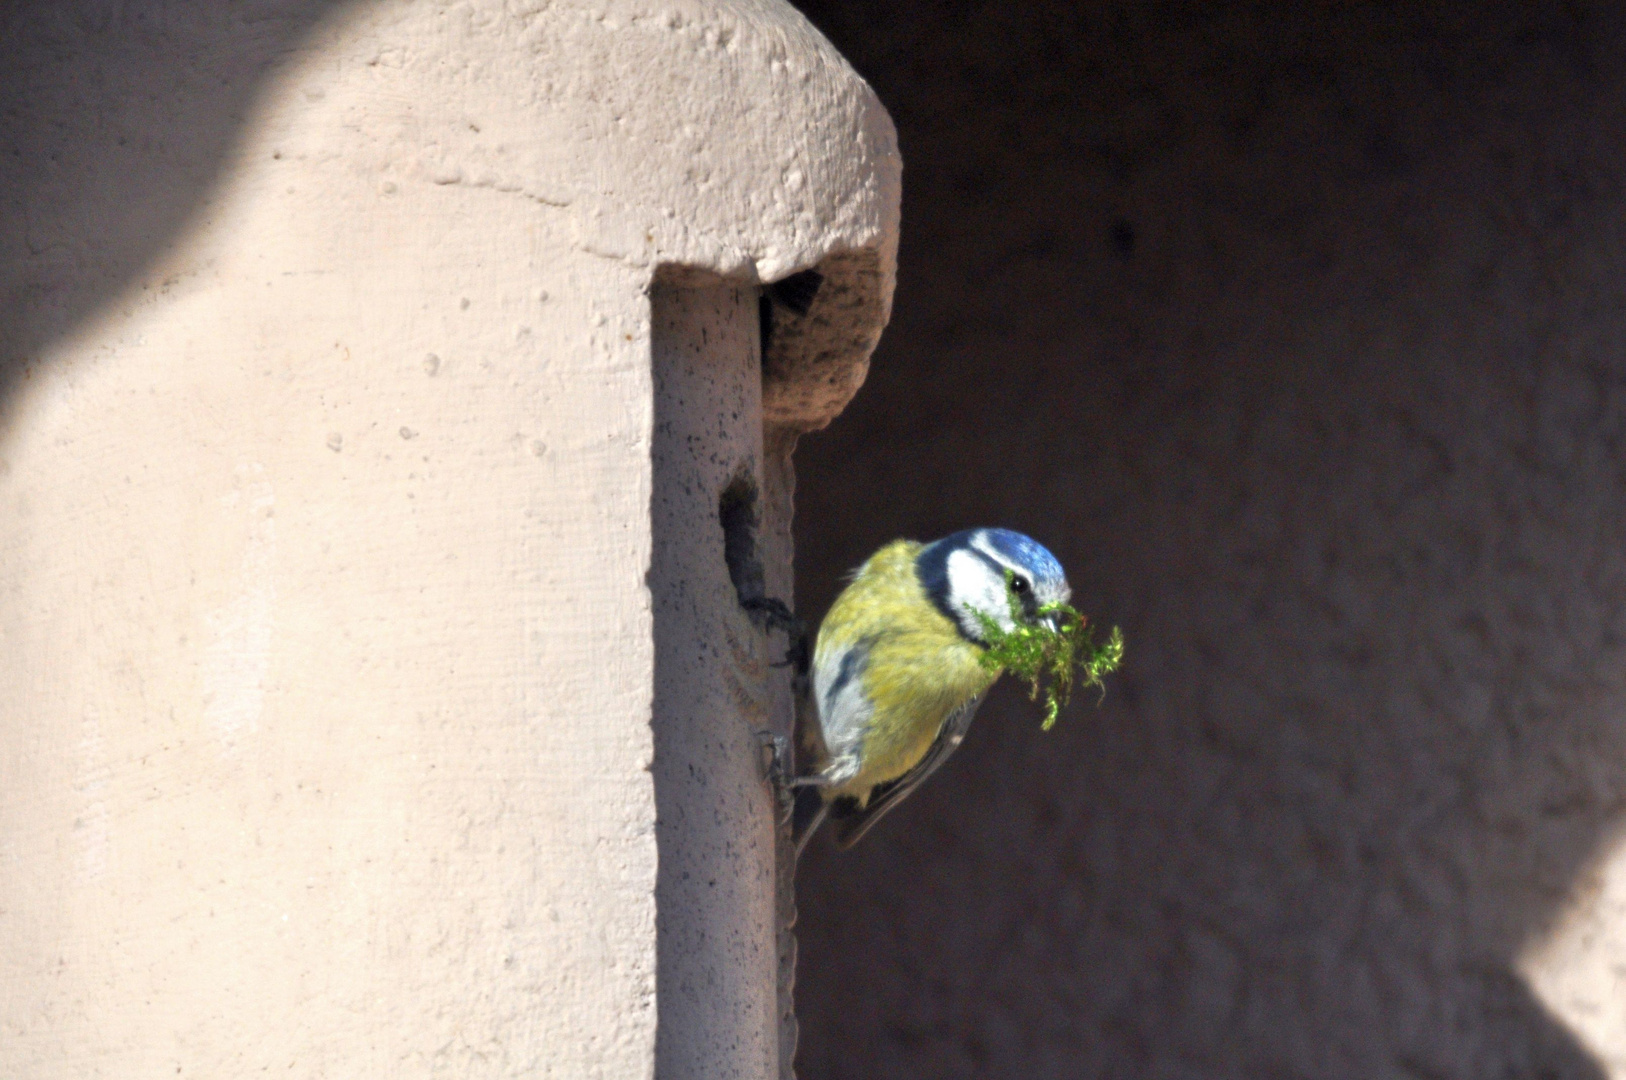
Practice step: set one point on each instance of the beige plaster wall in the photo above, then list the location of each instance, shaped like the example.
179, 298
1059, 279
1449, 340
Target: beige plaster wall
329, 584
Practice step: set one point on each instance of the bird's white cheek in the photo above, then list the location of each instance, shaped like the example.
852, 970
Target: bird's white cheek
991, 602
974, 587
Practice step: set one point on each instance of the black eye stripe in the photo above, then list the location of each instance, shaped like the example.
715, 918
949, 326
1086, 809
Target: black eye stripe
997, 566
1020, 582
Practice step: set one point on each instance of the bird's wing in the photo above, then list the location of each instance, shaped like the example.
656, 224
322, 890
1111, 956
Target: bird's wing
842, 708
854, 823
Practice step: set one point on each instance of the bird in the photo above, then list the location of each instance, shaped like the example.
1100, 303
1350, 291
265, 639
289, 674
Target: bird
897, 674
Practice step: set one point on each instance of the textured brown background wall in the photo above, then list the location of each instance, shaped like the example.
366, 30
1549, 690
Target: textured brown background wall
1299, 332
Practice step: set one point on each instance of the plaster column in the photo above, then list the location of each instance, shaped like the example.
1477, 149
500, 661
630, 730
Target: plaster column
334, 711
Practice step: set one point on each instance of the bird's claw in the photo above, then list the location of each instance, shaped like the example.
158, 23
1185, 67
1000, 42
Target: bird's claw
773, 614
779, 771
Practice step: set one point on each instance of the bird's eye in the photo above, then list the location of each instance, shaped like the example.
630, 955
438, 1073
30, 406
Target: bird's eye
1019, 584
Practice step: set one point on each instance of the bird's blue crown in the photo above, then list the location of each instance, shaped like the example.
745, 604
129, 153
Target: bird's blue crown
1023, 551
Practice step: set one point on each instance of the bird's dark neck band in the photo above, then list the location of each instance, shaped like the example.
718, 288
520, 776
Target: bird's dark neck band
931, 567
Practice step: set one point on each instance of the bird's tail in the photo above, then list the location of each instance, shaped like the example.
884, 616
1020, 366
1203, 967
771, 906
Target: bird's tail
809, 812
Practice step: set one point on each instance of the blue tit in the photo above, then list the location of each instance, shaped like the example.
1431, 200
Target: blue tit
897, 673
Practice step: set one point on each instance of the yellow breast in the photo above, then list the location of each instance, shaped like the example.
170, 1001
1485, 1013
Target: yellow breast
920, 669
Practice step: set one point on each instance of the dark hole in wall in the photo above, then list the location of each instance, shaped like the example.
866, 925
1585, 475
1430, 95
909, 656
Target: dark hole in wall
795, 293
737, 511
765, 321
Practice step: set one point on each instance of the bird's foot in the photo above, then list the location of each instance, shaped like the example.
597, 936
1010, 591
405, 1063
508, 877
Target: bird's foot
772, 614
779, 772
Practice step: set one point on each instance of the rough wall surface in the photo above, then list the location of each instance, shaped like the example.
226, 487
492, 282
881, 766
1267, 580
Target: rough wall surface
327, 651
717, 949
1299, 331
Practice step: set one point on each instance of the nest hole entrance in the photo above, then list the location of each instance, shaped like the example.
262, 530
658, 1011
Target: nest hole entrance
738, 512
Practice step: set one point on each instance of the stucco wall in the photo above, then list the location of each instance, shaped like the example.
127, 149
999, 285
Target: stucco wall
342, 548
1299, 331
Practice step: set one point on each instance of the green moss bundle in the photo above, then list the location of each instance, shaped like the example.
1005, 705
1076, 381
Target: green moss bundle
1050, 659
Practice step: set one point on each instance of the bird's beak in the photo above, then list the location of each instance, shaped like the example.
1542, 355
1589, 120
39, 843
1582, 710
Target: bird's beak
1053, 620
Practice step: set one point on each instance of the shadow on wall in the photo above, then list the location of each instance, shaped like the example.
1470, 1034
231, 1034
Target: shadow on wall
1300, 334
116, 120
